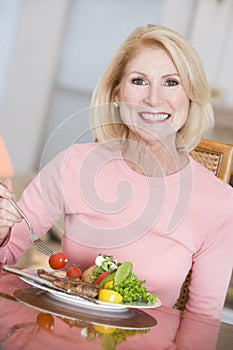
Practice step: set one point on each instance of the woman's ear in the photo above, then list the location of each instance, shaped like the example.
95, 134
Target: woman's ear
116, 98
116, 102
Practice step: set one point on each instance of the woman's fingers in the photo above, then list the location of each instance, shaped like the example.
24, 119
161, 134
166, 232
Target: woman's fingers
8, 214
6, 188
8, 184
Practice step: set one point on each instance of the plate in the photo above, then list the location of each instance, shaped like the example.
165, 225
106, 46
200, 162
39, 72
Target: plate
45, 302
31, 277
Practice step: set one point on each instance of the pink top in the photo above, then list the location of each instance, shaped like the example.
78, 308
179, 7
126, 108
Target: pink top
163, 225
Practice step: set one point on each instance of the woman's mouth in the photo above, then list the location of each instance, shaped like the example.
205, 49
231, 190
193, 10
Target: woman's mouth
154, 117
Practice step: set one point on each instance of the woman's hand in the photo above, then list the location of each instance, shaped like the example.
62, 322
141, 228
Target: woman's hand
8, 214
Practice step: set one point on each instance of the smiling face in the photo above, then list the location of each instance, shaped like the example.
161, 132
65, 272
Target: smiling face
153, 103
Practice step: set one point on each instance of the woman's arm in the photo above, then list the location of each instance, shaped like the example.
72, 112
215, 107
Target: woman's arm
42, 202
212, 264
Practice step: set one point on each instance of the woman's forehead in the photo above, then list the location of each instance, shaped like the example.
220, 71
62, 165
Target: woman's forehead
151, 59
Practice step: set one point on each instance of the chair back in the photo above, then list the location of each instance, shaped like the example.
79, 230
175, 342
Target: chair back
217, 157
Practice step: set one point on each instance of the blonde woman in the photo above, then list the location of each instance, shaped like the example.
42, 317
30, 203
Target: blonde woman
136, 194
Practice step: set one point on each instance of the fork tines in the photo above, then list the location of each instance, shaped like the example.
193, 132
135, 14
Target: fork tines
39, 244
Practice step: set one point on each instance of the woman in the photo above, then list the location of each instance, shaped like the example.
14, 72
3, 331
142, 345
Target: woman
136, 194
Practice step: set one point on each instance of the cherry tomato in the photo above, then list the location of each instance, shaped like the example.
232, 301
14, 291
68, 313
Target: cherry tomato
45, 321
74, 272
102, 276
58, 260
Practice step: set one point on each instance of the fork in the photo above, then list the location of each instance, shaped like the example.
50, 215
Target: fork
34, 238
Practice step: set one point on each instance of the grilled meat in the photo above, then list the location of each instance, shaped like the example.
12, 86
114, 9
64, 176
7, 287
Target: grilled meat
47, 275
70, 285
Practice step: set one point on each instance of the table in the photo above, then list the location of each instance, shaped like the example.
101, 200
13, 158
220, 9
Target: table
35, 328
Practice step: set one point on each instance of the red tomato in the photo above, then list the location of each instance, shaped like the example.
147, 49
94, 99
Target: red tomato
45, 321
58, 260
102, 276
74, 272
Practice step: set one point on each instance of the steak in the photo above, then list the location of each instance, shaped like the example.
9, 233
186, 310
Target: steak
70, 285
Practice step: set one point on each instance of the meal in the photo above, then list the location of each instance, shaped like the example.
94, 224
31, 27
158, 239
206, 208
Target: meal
107, 280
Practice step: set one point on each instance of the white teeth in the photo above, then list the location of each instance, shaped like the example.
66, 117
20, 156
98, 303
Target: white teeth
154, 117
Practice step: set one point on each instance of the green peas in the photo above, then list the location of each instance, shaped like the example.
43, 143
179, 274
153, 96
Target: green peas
132, 289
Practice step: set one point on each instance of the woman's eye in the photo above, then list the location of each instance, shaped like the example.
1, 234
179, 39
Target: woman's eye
139, 81
171, 82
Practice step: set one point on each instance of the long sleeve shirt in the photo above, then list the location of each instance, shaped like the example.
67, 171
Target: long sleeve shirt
163, 225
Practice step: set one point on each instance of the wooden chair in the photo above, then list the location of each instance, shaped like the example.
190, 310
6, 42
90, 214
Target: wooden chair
218, 158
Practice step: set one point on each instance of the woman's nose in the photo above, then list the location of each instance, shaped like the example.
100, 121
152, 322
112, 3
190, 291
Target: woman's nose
153, 95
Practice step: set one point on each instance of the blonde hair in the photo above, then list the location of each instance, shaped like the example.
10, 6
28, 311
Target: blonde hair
106, 120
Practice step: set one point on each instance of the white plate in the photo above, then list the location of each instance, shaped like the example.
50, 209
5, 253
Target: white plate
31, 277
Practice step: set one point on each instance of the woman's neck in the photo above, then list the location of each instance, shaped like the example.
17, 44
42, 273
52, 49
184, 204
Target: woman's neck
159, 158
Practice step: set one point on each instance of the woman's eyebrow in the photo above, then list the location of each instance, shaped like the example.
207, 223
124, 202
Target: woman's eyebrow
163, 76
139, 73
171, 75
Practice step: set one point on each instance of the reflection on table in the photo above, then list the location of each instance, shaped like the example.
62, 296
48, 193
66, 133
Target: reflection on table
52, 323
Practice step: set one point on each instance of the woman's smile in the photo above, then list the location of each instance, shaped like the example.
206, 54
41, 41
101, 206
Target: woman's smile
154, 117
151, 95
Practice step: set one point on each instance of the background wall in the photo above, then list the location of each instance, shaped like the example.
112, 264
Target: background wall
32, 68
57, 49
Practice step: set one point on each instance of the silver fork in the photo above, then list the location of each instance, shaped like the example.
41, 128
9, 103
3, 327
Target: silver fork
34, 238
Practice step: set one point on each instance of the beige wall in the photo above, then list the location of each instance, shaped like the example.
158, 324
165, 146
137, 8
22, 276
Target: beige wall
30, 80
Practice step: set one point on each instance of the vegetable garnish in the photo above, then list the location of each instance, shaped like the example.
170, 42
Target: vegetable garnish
131, 289
119, 277
104, 263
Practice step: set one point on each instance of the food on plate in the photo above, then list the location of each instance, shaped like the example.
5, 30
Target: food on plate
58, 260
121, 279
109, 296
88, 273
69, 284
106, 279
74, 272
102, 276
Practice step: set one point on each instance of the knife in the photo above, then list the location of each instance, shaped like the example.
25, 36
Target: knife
47, 284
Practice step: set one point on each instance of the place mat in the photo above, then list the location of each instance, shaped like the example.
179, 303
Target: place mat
44, 301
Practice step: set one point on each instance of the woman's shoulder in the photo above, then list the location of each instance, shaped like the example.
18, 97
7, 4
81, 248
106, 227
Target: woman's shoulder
208, 182
78, 150
86, 154
82, 147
